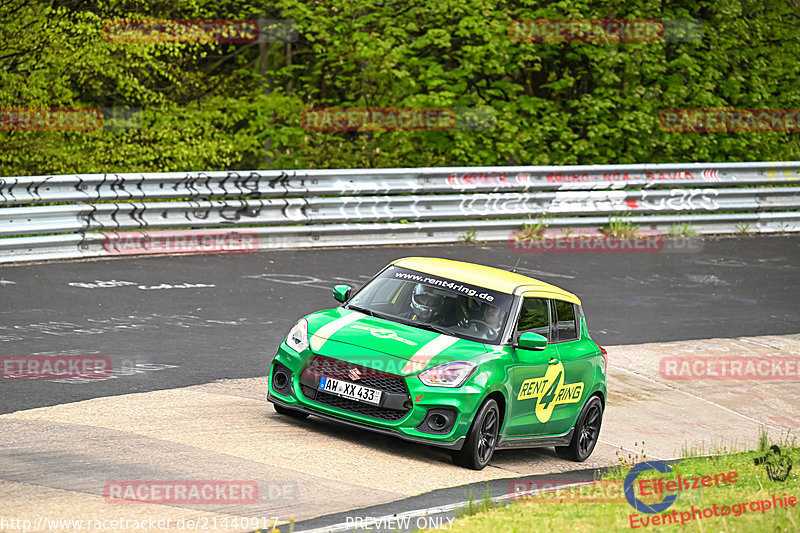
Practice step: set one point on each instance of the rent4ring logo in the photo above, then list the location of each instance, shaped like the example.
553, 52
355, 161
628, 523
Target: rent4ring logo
550, 391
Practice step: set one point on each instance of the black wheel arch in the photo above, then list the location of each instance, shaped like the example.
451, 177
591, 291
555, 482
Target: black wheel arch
500, 398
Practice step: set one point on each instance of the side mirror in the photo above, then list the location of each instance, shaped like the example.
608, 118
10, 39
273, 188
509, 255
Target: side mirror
341, 293
532, 341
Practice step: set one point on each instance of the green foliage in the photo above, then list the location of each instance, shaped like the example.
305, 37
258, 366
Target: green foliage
620, 228
682, 230
533, 230
475, 507
469, 237
207, 106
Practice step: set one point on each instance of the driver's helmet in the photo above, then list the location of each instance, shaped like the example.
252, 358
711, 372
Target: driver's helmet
425, 301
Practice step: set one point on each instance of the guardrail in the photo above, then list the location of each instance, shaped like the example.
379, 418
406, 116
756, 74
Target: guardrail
279, 209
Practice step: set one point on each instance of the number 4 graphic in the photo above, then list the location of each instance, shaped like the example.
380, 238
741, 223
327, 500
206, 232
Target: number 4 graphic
550, 395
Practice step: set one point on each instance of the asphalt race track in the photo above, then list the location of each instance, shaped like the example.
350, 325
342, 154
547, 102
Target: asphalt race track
229, 325
190, 339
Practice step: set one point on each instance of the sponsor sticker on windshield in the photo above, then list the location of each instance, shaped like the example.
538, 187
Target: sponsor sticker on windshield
482, 294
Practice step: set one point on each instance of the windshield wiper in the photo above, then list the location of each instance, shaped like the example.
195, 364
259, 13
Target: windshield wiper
370, 312
421, 325
425, 325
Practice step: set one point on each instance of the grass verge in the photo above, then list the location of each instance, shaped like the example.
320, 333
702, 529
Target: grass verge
602, 507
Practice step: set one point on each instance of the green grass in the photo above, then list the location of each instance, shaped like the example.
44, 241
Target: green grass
484, 504
534, 229
682, 230
469, 237
620, 228
752, 484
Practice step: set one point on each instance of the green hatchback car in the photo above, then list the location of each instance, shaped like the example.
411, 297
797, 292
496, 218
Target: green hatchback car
462, 356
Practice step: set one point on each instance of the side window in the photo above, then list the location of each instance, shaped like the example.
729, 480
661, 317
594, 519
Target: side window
533, 317
566, 329
385, 293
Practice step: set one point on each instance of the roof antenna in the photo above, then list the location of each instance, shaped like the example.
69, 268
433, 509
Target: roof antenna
514, 270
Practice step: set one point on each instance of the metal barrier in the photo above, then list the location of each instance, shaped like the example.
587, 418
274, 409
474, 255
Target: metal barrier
279, 209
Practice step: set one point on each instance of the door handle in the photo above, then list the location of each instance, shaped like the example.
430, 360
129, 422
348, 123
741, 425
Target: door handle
553, 361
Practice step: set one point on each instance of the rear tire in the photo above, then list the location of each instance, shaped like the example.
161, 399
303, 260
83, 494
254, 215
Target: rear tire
481, 439
285, 411
587, 431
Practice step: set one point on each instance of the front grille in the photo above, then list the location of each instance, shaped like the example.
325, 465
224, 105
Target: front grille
370, 377
376, 379
365, 409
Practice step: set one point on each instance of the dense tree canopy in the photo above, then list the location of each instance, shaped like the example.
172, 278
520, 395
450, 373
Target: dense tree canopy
239, 105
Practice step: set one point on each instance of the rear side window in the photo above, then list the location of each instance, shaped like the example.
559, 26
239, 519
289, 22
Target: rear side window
534, 317
566, 327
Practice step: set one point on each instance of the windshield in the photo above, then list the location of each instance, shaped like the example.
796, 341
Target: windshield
439, 304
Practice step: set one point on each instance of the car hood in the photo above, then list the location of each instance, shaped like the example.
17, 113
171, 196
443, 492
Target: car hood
361, 339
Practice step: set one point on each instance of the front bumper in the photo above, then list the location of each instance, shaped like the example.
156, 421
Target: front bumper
420, 398
455, 445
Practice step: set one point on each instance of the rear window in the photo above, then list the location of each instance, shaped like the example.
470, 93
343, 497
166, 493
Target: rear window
566, 327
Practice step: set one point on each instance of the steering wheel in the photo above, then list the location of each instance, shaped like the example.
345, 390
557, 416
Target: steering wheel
490, 331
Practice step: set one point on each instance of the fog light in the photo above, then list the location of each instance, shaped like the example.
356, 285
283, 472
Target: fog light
439, 421
281, 379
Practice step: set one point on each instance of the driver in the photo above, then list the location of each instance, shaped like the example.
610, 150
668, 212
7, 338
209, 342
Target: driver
425, 302
492, 319
492, 316
485, 320
429, 305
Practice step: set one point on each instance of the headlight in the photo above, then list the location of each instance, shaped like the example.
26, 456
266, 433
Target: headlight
298, 336
452, 374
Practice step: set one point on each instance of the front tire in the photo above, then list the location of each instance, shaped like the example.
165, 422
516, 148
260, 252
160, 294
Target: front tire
587, 432
481, 439
289, 412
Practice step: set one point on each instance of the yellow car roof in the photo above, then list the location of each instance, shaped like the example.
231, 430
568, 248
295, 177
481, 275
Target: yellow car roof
485, 276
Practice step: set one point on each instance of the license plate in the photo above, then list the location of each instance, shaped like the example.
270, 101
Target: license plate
353, 391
